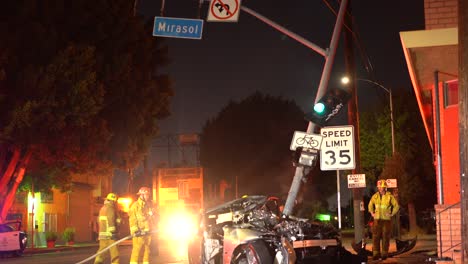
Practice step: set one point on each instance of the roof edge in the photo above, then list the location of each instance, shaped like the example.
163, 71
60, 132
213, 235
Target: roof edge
429, 38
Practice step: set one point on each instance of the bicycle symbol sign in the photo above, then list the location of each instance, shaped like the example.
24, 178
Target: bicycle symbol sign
306, 141
224, 10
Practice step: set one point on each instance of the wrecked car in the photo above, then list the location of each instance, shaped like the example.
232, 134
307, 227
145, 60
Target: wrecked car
251, 230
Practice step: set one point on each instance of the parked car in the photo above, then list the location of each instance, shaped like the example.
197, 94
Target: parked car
251, 230
13, 240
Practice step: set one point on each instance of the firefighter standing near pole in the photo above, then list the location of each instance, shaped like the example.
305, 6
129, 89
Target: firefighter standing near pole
382, 207
108, 223
141, 224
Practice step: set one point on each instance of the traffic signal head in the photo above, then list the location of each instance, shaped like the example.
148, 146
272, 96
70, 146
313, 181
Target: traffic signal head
328, 106
319, 108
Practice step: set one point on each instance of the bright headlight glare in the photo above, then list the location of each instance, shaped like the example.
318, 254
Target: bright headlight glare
179, 225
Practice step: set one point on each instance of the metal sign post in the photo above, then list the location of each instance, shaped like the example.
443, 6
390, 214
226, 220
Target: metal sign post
338, 197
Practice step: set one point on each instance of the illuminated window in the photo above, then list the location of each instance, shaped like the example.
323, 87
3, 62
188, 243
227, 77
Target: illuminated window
450, 94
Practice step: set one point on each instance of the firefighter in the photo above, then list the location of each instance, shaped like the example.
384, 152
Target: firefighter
141, 224
108, 224
382, 206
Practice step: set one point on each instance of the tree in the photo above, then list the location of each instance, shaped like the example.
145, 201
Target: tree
411, 165
250, 140
80, 89
409, 186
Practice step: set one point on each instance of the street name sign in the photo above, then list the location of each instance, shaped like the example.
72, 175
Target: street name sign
356, 181
337, 149
178, 27
306, 141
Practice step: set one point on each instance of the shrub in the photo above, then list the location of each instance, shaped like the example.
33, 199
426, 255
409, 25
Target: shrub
69, 234
51, 236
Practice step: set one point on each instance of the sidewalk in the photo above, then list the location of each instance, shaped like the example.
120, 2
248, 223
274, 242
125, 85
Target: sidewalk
425, 248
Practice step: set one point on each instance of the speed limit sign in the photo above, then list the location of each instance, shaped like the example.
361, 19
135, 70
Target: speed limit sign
337, 150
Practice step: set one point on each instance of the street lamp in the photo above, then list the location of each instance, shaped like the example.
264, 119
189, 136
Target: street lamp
346, 80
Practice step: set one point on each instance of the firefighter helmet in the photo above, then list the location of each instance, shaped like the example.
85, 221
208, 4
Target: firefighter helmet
382, 184
144, 190
112, 197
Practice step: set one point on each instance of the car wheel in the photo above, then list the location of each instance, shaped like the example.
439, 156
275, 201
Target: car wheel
255, 252
22, 242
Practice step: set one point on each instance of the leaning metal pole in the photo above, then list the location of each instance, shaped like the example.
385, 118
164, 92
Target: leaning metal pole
300, 170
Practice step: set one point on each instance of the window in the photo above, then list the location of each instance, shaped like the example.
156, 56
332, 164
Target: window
21, 197
16, 216
47, 197
183, 188
50, 222
450, 93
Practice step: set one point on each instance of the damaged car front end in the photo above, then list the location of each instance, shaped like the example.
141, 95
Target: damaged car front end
251, 230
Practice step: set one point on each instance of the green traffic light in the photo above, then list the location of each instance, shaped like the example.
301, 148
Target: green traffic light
319, 108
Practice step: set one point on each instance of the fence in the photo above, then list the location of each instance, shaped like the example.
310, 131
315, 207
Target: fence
449, 231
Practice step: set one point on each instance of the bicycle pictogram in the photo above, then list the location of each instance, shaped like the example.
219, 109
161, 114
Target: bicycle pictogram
308, 142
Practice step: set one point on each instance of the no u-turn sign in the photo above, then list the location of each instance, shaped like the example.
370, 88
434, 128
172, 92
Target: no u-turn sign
224, 11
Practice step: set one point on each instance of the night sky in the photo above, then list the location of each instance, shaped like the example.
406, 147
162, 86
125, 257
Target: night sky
233, 60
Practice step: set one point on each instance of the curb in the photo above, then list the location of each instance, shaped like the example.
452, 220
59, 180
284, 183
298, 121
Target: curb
59, 248
56, 249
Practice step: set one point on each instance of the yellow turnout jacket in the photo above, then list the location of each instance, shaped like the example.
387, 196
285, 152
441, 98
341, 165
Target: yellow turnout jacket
383, 206
140, 216
108, 220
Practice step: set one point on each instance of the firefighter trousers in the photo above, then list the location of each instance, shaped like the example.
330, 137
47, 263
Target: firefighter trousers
140, 244
381, 231
114, 252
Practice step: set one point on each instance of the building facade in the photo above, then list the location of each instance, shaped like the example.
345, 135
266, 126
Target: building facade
432, 59
55, 211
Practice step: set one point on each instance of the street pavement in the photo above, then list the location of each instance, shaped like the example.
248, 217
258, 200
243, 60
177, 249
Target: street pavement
423, 252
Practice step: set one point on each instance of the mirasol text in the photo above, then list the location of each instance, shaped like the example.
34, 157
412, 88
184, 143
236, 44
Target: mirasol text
162, 27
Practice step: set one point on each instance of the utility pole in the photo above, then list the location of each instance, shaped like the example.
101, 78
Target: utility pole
33, 201
462, 114
353, 119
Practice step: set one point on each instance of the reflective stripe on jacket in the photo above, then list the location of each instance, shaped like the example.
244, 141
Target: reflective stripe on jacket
140, 215
383, 206
108, 220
